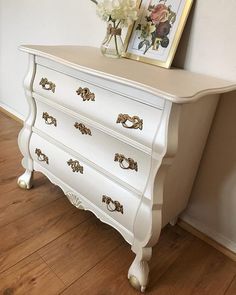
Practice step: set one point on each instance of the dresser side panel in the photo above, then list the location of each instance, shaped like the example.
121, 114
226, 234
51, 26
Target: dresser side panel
195, 123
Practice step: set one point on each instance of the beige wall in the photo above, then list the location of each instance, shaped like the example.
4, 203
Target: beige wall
40, 22
208, 46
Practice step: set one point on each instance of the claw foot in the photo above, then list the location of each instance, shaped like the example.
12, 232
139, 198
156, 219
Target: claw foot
134, 282
25, 180
139, 270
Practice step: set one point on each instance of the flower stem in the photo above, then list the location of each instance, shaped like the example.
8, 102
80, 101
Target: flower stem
94, 1
117, 24
115, 27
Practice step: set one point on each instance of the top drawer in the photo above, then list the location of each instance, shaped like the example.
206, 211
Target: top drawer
133, 119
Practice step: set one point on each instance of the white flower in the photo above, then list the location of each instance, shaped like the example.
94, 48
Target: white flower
123, 11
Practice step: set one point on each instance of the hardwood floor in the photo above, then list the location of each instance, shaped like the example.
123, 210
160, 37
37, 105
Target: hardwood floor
49, 247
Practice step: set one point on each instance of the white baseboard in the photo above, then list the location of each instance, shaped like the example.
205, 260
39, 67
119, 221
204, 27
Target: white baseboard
11, 111
218, 237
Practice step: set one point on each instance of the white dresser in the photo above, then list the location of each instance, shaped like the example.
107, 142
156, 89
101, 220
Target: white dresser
121, 138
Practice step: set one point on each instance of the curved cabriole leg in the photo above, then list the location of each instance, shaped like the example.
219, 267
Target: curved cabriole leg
25, 180
174, 221
139, 269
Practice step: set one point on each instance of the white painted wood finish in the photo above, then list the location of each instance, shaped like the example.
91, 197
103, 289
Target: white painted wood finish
99, 110
92, 146
167, 149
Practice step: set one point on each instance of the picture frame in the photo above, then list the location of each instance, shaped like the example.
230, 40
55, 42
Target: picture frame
155, 35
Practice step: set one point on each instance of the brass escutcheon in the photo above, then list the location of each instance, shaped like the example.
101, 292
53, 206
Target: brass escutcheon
82, 128
41, 157
86, 94
75, 166
136, 122
49, 120
112, 206
47, 85
126, 163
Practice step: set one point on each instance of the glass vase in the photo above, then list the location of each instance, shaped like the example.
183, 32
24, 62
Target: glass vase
112, 46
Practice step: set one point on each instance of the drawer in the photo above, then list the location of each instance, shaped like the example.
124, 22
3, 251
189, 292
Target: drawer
112, 199
131, 118
118, 158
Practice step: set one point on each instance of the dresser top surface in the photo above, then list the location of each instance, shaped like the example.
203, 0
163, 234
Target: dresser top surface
176, 85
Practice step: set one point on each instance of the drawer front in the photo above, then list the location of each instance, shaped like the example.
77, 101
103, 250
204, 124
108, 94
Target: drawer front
125, 162
126, 116
112, 199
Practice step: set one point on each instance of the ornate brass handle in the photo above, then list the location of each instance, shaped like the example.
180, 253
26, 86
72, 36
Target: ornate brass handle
126, 163
86, 94
112, 206
47, 85
75, 166
49, 120
82, 128
41, 157
137, 123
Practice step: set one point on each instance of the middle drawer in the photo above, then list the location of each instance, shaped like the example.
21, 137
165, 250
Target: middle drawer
125, 162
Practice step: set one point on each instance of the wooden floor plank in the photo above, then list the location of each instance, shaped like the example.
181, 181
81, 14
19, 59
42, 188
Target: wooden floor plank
8, 123
74, 253
232, 288
200, 270
16, 203
31, 276
29, 233
110, 275
82, 254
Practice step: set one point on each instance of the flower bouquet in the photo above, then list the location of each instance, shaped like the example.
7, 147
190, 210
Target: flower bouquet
117, 14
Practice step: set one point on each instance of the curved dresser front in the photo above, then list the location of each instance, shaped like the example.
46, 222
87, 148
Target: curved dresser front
107, 139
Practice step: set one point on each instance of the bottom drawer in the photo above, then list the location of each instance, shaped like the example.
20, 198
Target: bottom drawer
114, 200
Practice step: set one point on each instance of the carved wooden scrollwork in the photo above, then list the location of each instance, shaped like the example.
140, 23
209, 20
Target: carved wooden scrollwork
75, 201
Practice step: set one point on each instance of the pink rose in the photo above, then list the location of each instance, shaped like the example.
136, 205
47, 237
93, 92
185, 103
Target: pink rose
159, 14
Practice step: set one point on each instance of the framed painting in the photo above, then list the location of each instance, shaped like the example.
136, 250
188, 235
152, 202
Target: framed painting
155, 35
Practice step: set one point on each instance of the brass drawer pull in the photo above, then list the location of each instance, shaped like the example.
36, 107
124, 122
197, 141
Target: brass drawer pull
112, 206
86, 94
82, 128
49, 120
137, 123
126, 163
75, 166
41, 157
47, 85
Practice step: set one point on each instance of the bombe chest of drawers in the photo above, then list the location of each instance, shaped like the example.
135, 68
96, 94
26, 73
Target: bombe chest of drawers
121, 138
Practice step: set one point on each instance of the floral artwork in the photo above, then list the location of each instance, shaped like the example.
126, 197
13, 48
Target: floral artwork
156, 33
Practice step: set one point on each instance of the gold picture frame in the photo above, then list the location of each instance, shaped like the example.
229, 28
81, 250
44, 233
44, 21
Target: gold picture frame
155, 35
